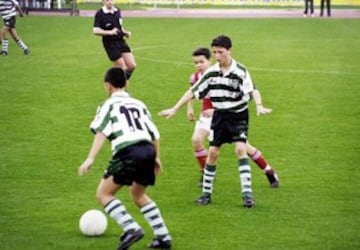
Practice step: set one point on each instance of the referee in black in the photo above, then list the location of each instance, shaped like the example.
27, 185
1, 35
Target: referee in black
108, 24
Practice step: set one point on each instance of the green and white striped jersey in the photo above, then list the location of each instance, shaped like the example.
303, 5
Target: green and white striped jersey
8, 8
228, 92
124, 121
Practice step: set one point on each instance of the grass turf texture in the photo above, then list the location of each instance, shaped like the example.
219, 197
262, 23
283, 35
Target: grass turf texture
307, 71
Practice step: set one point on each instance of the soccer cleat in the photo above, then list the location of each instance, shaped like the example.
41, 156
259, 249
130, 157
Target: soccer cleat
204, 199
160, 244
248, 200
273, 178
26, 51
130, 237
3, 53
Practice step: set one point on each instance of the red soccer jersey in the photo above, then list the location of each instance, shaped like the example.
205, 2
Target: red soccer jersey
205, 102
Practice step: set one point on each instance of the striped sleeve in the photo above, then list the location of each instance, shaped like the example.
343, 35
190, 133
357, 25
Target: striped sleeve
102, 120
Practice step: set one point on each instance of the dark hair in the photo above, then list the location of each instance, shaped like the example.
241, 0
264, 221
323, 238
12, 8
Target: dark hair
221, 41
202, 51
116, 77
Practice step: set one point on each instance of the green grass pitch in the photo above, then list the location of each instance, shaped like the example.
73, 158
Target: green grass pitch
307, 71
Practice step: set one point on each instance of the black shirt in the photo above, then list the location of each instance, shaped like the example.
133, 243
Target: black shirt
107, 20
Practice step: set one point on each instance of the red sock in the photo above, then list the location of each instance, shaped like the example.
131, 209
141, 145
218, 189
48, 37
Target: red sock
201, 156
259, 160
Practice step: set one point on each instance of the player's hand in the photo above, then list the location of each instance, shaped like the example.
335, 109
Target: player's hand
190, 115
158, 166
261, 110
127, 33
114, 31
167, 113
85, 166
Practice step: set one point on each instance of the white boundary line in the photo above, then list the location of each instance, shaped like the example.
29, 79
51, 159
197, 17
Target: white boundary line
291, 71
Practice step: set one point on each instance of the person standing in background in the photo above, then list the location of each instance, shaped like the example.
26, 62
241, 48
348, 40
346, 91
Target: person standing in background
328, 7
307, 3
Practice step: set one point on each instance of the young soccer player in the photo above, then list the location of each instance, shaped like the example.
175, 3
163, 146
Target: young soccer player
202, 130
8, 10
229, 86
108, 23
127, 123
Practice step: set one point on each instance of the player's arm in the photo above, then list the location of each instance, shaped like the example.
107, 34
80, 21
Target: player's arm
190, 110
98, 142
260, 109
101, 32
168, 113
158, 165
19, 9
126, 33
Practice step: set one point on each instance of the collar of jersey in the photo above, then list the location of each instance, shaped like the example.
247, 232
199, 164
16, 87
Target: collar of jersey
120, 93
232, 67
107, 11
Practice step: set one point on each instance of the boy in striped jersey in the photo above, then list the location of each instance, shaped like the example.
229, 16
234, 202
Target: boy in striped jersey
229, 86
127, 123
202, 130
8, 13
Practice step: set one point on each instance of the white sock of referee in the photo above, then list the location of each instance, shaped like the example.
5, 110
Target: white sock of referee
118, 212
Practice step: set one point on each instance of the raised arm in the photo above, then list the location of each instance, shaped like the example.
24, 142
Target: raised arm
168, 113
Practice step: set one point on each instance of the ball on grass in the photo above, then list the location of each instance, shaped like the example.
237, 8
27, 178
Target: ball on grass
93, 223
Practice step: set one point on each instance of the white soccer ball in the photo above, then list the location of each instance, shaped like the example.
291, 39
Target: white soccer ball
93, 223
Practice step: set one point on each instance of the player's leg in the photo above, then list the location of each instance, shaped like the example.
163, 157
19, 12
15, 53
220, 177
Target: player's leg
328, 5
18, 41
244, 173
116, 210
261, 162
4, 40
151, 212
209, 175
119, 63
321, 7
113, 206
219, 136
129, 63
198, 140
306, 7
200, 134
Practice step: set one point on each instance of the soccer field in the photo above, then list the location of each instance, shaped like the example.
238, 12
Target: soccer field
308, 73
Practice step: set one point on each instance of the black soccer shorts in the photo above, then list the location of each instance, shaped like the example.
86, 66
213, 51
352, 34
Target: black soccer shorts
115, 49
10, 22
133, 163
229, 127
